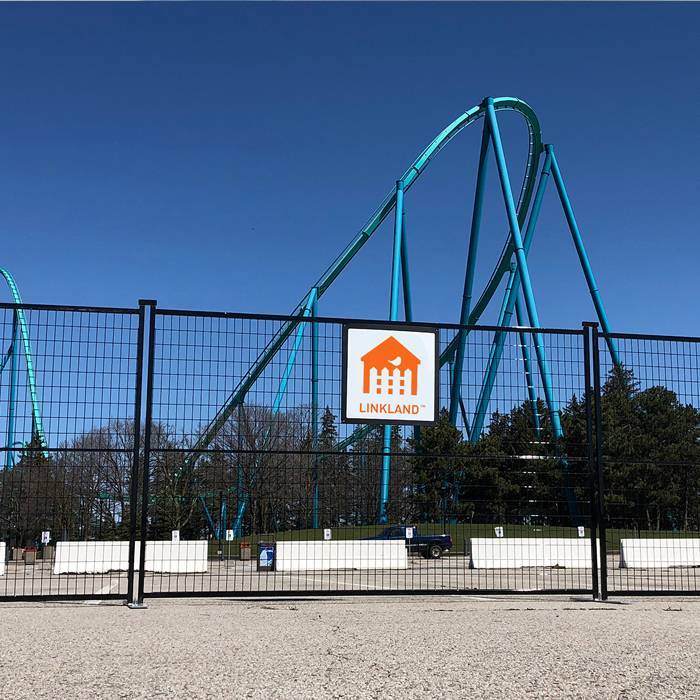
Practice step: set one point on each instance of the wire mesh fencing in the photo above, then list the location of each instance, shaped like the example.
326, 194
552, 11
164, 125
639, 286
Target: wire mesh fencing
650, 462
67, 401
149, 452
249, 457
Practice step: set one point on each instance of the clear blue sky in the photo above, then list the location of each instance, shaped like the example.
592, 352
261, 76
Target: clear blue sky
220, 156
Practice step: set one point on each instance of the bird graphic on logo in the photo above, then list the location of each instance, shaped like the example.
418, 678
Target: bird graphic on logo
390, 368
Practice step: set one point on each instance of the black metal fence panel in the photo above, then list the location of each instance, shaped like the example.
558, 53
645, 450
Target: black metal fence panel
251, 461
151, 452
650, 446
67, 397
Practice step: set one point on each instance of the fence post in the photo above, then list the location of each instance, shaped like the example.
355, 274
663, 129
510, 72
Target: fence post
590, 451
134, 483
599, 465
150, 304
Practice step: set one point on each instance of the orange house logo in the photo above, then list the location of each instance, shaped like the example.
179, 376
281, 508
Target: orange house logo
391, 369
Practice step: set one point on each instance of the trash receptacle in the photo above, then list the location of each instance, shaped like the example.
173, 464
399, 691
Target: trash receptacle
48, 552
266, 556
17, 553
245, 551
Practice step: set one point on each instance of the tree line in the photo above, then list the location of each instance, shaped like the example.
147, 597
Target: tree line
267, 470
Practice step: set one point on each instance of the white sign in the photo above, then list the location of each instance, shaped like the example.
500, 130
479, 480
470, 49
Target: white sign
581, 531
45, 537
327, 533
390, 375
409, 533
175, 534
229, 535
498, 531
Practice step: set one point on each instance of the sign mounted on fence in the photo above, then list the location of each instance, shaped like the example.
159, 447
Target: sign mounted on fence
390, 375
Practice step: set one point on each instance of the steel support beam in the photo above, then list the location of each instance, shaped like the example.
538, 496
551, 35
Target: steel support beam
582, 255
507, 307
506, 311
529, 379
393, 316
523, 270
456, 386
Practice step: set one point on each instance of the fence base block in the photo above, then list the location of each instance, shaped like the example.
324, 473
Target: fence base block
519, 552
659, 553
340, 554
187, 556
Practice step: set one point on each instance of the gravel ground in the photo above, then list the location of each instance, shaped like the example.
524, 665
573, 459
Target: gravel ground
397, 647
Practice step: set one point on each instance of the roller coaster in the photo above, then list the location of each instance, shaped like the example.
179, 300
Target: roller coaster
20, 332
522, 214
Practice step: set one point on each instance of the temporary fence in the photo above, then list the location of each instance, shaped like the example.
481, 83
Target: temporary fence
163, 452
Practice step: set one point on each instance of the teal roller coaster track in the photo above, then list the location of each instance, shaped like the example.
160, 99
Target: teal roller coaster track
522, 213
11, 356
522, 216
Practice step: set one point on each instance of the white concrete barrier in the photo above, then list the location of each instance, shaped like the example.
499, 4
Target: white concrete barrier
187, 556
519, 552
659, 553
2, 558
90, 557
330, 555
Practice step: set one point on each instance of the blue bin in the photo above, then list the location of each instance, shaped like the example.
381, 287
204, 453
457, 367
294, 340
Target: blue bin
266, 556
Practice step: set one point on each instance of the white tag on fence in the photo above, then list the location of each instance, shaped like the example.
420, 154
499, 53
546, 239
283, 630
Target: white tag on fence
581, 531
327, 533
175, 534
498, 531
229, 535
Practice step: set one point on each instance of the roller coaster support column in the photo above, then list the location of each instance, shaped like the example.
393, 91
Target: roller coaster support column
314, 407
519, 316
14, 378
407, 301
582, 256
456, 386
523, 270
405, 277
393, 316
210, 520
506, 313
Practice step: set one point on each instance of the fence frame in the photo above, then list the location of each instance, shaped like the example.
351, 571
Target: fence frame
600, 340
593, 343
342, 322
133, 450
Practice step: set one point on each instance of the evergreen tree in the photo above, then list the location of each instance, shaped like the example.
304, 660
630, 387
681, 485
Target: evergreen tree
438, 465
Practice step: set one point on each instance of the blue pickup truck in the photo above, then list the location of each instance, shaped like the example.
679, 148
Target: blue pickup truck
430, 546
